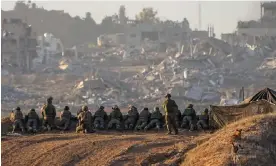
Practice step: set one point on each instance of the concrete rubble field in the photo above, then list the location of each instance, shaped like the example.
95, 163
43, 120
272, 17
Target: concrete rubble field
136, 62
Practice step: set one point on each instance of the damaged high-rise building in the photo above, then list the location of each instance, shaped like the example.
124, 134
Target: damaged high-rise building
18, 44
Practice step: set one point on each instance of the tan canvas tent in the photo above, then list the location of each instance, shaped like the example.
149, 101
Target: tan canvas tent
222, 115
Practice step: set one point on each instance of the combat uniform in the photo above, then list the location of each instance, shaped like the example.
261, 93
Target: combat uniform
17, 120
189, 117
115, 118
100, 116
49, 114
203, 120
178, 118
85, 120
65, 119
143, 119
155, 119
32, 122
170, 107
132, 117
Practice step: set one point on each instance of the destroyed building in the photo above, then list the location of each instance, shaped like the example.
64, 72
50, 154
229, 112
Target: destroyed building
255, 32
18, 44
162, 33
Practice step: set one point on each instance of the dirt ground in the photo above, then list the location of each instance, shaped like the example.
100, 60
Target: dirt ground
101, 148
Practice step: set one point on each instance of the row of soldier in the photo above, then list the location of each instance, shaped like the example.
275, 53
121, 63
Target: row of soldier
86, 122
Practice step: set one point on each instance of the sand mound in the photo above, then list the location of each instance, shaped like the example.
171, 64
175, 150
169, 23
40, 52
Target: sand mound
258, 144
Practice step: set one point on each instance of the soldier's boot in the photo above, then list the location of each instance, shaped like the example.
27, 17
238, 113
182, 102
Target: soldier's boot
158, 128
169, 133
23, 130
192, 128
49, 128
118, 127
97, 126
176, 132
199, 127
146, 128
126, 127
30, 129
34, 130
130, 126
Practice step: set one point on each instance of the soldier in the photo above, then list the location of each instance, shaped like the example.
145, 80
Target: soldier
178, 118
189, 116
203, 120
170, 107
132, 117
85, 120
143, 119
155, 119
32, 121
17, 120
116, 118
65, 119
49, 114
100, 117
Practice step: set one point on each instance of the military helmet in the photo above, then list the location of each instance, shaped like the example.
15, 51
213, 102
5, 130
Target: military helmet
17, 109
32, 109
190, 105
66, 108
84, 108
115, 107
168, 95
156, 108
50, 99
146, 108
101, 107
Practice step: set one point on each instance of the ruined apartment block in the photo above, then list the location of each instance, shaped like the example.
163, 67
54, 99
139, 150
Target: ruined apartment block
18, 44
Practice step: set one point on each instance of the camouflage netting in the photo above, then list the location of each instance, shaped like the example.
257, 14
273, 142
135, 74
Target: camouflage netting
223, 115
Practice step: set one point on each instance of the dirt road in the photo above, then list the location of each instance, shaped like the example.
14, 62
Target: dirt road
106, 148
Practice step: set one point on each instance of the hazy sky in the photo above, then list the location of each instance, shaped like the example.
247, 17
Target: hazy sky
222, 14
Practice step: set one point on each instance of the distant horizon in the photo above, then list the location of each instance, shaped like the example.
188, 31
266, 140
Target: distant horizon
224, 15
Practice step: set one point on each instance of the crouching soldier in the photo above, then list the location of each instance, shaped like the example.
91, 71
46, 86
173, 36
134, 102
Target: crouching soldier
33, 120
203, 120
100, 117
49, 115
116, 118
132, 117
189, 117
65, 119
17, 120
85, 121
155, 119
143, 119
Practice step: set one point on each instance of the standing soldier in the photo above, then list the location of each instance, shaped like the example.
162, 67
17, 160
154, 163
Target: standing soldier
100, 117
155, 119
65, 119
32, 121
170, 108
85, 121
17, 120
49, 114
132, 117
116, 118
